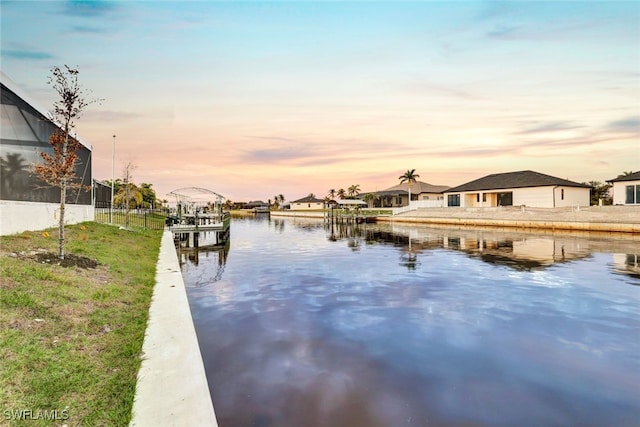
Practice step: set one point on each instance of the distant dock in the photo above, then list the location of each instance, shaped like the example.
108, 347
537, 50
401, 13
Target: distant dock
189, 227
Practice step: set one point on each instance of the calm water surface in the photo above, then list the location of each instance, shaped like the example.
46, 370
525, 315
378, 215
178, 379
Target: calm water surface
382, 325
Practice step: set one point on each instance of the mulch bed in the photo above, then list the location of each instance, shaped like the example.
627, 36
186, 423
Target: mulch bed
70, 260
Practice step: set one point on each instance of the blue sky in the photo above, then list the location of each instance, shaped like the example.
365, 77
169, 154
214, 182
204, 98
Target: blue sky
253, 99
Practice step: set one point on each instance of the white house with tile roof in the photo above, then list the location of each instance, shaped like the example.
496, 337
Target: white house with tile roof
398, 195
626, 189
522, 188
307, 203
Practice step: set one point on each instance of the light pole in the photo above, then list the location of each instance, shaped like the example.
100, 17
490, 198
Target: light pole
113, 163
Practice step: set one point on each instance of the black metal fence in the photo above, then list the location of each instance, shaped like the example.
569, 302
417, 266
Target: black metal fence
154, 219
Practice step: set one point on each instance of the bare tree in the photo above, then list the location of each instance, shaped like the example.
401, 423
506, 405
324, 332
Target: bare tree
130, 190
59, 169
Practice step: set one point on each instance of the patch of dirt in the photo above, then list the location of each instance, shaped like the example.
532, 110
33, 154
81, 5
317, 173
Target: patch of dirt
70, 260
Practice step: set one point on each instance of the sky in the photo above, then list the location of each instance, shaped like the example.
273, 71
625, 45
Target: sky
254, 99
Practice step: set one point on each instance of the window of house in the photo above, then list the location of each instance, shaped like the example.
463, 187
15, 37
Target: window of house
505, 199
633, 194
484, 197
453, 200
478, 198
562, 194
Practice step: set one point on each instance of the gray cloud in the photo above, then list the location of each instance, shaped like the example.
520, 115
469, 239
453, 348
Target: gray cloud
271, 155
541, 127
627, 125
494, 9
108, 115
478, 152
578, 141
304, 153
85, 29
86, 8
504, 32
27, 54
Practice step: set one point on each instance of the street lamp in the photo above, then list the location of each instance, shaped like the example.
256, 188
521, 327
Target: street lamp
113, 162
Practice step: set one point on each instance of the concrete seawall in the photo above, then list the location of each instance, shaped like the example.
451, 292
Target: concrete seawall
505, 223
172, 388
298, 214
611, 219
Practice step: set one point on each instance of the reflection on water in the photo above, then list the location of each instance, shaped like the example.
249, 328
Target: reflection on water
384, 325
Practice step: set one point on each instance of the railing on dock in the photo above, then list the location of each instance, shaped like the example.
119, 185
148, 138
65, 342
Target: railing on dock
189, 227
355, 216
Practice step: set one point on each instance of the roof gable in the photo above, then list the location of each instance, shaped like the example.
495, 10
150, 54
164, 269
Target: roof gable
520, 179
308, 199
634, 176
418, 187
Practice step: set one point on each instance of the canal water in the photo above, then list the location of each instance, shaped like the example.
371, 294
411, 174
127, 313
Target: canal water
303, 324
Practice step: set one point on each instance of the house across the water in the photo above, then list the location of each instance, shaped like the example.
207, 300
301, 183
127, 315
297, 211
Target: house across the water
309, 202
526, 188
626, 189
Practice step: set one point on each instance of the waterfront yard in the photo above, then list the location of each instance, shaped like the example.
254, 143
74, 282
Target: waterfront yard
71, 336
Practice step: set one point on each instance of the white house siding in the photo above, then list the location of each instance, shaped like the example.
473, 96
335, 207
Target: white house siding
541, 197
16, 217
620, 192
573, 196
307, 206
430, 196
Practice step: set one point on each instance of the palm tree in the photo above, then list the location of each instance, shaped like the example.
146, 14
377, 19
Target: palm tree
341, 193
370, 197
148, 195
353, 190
410, 178
280, 199
332, 194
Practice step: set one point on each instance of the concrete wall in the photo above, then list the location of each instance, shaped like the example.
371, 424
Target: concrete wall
417, 204
298, 214
16, 217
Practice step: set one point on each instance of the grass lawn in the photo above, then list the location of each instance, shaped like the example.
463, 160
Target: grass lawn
70, 338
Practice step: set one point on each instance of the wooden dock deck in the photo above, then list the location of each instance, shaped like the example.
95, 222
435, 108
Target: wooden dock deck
191, 225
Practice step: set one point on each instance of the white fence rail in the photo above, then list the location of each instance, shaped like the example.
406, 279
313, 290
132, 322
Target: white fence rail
416, 204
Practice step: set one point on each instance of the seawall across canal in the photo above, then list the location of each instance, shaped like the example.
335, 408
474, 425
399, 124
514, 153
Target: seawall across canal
624, 219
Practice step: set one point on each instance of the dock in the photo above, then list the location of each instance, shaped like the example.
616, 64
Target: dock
189, 227
348, 216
